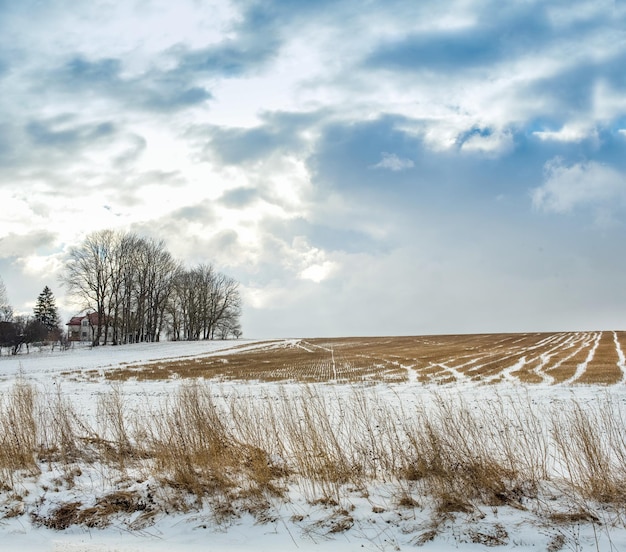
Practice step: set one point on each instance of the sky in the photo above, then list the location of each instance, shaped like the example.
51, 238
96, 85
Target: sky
360, 167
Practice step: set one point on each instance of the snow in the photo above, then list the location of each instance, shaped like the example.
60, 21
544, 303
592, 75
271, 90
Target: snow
375, 521
42, 364
622, 359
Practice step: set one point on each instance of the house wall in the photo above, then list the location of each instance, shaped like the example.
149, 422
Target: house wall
83, 332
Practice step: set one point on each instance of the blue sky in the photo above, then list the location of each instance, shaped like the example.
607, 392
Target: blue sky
362, 168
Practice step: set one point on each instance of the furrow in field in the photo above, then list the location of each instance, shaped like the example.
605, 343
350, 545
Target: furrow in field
511, 362
450, 375
604, 366
534, 369
478, 357
551, 365
567, 365
582, 367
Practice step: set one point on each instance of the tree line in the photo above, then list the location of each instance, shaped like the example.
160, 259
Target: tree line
140, 292
137, 291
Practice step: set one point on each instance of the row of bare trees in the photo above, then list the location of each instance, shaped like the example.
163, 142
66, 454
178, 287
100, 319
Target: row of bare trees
140, 292
203, 304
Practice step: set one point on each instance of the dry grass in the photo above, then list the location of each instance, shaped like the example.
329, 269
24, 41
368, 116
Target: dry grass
460, 460
239, 452
194, 451
592, 448
489, 358
18, 433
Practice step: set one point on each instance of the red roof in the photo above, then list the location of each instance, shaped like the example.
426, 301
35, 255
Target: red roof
77, 320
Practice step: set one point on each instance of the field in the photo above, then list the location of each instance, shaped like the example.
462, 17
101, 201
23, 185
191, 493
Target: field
514, 441
555, 358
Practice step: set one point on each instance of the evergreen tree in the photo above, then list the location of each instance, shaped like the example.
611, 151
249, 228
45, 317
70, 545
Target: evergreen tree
46, 310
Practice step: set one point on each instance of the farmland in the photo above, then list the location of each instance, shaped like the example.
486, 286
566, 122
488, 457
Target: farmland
549, 358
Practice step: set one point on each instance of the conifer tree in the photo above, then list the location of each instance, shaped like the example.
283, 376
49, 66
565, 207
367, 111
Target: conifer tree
46, 310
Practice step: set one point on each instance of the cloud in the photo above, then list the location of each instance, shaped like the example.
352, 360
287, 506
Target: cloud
579, 185
318, 272
568, 133
239, 197
15, 245
393, 163
487, 142
498, 66
232, 58
344, 150
254, 40
234, 146
61, 133
329, 229
154, 90
439, 51
489, 33
130, 151
278, 132
484, 35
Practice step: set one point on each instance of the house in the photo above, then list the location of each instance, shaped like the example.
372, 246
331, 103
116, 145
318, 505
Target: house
84, 328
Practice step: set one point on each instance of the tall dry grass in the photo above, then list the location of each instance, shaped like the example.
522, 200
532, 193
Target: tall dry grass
18, 433
193, 448
113, 427
227, 448
591, 449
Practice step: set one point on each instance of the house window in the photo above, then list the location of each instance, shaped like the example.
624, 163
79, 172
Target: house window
84, 334
85, 322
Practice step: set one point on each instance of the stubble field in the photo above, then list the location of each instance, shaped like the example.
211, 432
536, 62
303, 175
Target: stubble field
548, 358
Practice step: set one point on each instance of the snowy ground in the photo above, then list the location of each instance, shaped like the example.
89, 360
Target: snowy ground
375, 522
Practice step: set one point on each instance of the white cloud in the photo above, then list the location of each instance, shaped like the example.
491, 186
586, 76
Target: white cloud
569, 133
567, 187
393, 163
46, 266
318, 272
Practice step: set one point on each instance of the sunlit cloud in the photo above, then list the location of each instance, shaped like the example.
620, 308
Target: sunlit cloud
393, 163
579, 185
318, 272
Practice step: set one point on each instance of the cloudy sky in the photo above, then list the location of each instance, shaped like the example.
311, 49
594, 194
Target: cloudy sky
361, 167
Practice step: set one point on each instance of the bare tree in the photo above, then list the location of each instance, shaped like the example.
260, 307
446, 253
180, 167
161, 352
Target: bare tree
184, 305
161, 274
22, 330
226, 305
153, 270
204, 303
88, 276
6, 312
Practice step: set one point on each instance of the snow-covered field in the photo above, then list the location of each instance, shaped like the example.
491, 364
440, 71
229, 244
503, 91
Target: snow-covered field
374, 518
